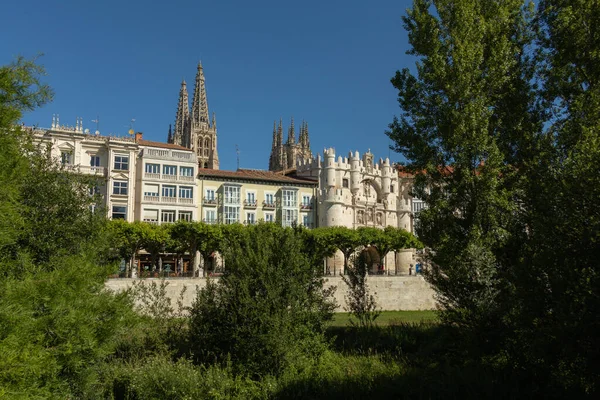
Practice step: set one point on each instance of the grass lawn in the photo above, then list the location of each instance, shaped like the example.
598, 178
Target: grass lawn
389, 317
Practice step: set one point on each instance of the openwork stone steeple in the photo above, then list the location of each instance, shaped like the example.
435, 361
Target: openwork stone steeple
286, 155
194, 130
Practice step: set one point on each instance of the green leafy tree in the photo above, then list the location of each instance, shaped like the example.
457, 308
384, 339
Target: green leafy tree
57, 322
154, 240
127, 238
269, 309
360, 302
346, 240
466, 123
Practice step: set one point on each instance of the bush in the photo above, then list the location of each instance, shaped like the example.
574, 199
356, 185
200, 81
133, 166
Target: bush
269, 309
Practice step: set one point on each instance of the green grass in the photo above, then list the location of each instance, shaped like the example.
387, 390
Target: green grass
389, 317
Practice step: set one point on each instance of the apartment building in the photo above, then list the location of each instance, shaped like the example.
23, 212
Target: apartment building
248, 196
166, 188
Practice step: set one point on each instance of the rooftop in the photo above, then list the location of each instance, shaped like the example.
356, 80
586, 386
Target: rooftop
255, 175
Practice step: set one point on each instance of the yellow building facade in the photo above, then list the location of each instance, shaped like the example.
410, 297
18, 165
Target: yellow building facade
249, 196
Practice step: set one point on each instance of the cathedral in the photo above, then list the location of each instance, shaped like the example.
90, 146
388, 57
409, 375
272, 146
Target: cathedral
196, 131
286, 155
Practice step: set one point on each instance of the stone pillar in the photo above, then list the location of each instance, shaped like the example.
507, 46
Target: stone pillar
404, 258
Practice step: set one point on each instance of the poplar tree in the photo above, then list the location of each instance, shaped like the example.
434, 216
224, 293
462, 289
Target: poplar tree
465, 127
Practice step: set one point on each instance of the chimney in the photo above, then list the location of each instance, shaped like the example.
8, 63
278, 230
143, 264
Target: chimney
138, 136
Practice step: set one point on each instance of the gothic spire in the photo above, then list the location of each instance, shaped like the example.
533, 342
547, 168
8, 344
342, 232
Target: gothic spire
280, 133
214, 121
170, 135
291, 133
199, 103
182, 117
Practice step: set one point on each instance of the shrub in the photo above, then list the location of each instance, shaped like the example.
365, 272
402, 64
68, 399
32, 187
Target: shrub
269, 309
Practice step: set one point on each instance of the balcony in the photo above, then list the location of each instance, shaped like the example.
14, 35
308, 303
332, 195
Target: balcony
210, 221
169, 155
187, 201
95, 171
209, 202
268, 206
154, 199
169, 200
167, 177
150, 175
250, 203
187, 178
306, 207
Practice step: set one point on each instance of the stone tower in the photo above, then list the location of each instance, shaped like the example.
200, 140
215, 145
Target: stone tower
287, 155
195, 131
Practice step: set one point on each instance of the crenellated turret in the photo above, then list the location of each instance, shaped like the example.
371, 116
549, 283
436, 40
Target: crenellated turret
354, 172
386, 176
329, 156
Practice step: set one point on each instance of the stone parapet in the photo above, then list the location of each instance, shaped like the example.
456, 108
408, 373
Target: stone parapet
391, 292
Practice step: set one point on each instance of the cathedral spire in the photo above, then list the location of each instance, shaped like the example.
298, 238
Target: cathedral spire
214, 121
199, 103
181, 134
170, 135
291, 133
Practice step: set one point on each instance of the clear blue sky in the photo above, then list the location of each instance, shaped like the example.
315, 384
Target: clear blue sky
328, 62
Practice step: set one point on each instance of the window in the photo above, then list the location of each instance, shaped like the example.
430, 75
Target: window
120, 187
345, 182
186, 171
122, 163
232, 214
250, 197
152, 168
232, 194
251, 218
168, 191
290, 217
210, 216
290, 198
269, 198
170, 170
210, 194
167, 216
269, 217
150, 216
185, 216
306, 220
66, 158
305, 201
185, 192
151, 190
95, 161
119, 212
392, 188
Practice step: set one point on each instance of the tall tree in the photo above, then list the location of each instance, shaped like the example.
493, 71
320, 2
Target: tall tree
463, 118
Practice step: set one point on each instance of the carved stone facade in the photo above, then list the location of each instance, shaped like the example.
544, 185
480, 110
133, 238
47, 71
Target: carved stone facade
356, 191
285, 155
194, 130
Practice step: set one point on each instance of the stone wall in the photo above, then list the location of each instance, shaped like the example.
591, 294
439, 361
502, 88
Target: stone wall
391, 292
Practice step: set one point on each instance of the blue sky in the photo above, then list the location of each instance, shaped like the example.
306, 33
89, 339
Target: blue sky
328, 62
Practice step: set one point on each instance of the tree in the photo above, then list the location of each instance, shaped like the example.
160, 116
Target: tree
154, 241
127, 238
467, 120
268, 310
57, 322
361, 304
346, 240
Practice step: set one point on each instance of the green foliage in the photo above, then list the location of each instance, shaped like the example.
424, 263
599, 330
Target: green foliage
503, 137
268, 310
55, 326
361, 303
